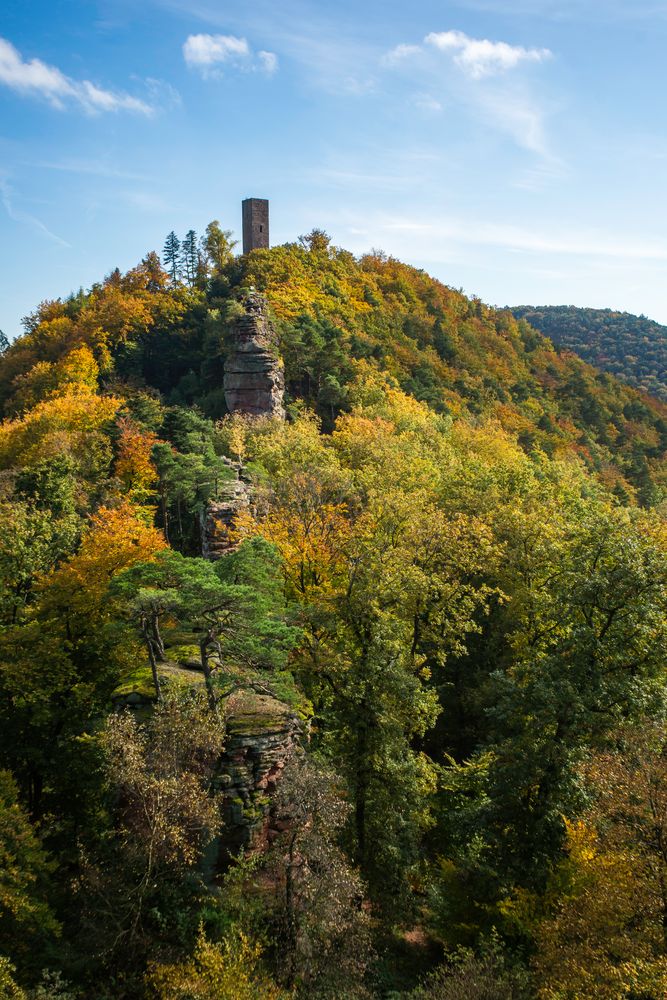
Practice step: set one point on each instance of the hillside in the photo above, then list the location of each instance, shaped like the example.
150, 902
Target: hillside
402, 640
632, 348
334, 314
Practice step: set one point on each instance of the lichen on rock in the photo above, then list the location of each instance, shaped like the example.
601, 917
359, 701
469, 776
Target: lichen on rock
262, 735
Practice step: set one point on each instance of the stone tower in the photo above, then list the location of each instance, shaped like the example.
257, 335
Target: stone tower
255, 224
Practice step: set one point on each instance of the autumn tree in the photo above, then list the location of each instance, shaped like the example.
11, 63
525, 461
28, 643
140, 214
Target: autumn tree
134, 466
218, 246
162, 777
324, 943
604, 934
223, 970
59, 663
387, 588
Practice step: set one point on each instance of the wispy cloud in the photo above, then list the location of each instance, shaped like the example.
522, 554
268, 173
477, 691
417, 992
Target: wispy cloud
93, 168
268, 61
209, 53
573, 10
399, 54
433, 235
516, 114
24, 218
34, 78
479, 57
469, 75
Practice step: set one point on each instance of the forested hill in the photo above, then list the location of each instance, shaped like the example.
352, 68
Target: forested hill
442, 570
633, 348
337, 316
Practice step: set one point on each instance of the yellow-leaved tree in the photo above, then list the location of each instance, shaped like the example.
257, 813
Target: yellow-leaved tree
606, 935
228, 970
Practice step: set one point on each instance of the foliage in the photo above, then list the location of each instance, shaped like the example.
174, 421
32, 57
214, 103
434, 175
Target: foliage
631, 348
232, 610
468, 976
322, 936
27, 923
161, 777
452, 565
605, 936
228, 970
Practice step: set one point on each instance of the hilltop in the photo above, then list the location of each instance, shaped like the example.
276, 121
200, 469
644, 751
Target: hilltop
632, 348
337, 315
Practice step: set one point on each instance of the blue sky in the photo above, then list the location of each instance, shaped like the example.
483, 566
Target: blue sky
514, 148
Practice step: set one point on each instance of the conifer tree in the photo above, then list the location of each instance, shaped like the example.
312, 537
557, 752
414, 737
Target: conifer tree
190, 256
171, 256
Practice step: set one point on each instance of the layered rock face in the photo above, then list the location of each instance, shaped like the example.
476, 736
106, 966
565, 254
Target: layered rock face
262, 734
254, 382
220, 515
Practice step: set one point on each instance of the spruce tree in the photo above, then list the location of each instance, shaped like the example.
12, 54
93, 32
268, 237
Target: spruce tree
190, 256
171, 256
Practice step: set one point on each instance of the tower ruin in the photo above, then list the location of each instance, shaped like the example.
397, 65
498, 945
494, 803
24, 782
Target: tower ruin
255, 224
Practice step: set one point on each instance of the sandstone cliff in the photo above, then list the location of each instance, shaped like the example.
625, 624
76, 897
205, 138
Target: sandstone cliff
254, 382
262, 735
218, 518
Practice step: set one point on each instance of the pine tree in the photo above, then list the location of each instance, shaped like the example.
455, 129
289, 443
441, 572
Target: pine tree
171, 256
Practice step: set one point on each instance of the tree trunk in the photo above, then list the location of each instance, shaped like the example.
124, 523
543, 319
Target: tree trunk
208, 678
148, 639
158, 644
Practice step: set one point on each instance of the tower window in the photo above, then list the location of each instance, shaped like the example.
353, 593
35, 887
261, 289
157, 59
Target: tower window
261, 229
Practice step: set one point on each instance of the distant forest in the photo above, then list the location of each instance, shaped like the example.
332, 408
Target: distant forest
633, 348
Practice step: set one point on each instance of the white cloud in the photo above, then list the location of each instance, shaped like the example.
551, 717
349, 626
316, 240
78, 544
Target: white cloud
208, 53
268, 61
206, 50
479, 57
399, 54
35, 78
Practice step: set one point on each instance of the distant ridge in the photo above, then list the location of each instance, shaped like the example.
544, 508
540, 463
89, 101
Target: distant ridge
633, 348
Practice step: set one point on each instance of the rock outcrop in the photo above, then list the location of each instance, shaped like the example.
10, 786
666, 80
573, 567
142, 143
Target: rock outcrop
254, 382
220, 514
262, 735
